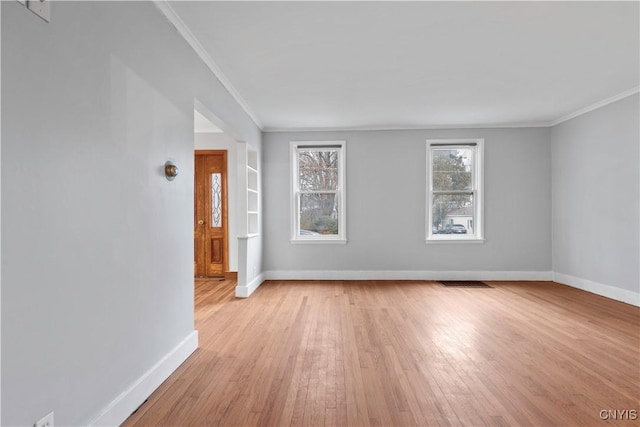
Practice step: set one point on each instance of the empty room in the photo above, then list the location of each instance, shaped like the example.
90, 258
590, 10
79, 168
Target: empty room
324, 213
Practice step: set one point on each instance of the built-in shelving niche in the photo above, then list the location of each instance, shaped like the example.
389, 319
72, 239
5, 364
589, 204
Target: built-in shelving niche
250, 165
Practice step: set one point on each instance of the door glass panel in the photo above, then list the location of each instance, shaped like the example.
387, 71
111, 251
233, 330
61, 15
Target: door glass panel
216, 200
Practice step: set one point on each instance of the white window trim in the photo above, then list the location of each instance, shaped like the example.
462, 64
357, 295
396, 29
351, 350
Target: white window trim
478, 180
341, 237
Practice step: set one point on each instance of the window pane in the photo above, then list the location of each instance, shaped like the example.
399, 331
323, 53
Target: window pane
452, 169
216, 200
453, 214
318, 214
318, 170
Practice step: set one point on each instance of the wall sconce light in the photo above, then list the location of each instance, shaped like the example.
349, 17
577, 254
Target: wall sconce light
170, 170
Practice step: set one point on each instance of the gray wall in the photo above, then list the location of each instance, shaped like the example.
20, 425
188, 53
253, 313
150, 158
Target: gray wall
596, 195
386, 188
97, 245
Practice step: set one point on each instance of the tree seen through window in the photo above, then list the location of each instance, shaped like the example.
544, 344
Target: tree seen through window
318, 184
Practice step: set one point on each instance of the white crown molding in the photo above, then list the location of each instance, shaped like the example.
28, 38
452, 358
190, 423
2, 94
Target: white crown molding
595, 106
549, 124
185, 32
411, 127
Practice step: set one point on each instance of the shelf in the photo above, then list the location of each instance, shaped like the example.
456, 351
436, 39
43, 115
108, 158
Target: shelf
252, 181
252, 223
252, 201
252, 160
249, 161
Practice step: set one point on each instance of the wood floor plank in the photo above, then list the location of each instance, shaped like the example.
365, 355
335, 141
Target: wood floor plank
412, 353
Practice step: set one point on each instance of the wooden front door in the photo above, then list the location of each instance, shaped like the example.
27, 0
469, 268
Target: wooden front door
210, 213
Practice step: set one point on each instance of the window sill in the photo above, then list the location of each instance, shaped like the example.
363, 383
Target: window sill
440, 240
318, 241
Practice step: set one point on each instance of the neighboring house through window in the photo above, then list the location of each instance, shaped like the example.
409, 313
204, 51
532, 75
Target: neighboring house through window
454, 187
318, 192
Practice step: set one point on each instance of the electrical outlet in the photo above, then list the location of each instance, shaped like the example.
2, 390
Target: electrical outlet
255, 271
46, 421
40, 8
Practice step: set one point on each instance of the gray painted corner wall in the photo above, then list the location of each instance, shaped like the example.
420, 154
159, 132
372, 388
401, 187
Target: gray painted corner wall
386, 187
97, 248
596, 192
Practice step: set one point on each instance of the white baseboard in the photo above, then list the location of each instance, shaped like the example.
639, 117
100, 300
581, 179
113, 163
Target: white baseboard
406, 275
601, 289
608, 291
130, 399
248, 289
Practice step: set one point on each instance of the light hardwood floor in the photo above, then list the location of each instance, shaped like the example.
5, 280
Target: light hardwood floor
403, 354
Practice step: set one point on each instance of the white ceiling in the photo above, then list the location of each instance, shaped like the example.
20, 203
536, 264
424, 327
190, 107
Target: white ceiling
374, 65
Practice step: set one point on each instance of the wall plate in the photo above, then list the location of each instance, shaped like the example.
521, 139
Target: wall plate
40, 8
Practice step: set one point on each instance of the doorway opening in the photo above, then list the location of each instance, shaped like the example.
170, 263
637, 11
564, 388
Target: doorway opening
215, 183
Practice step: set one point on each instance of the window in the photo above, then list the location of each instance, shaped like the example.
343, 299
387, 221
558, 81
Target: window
318, 192
454, 186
